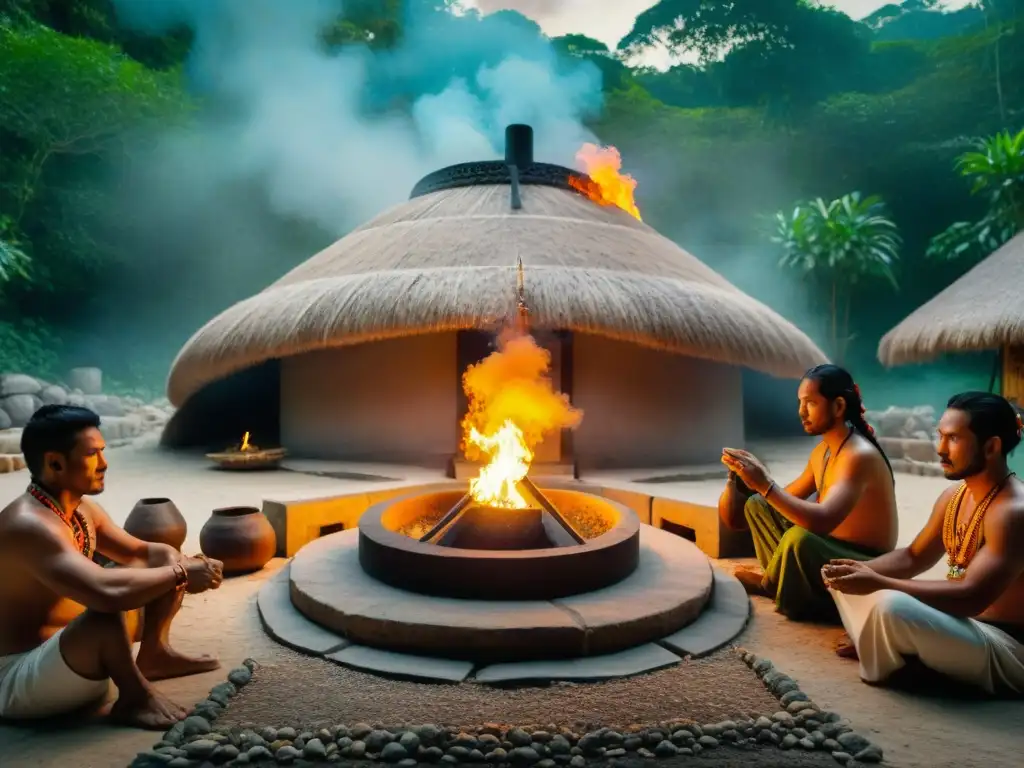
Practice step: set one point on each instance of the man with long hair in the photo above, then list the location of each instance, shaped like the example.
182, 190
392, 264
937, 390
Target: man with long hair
67, 625
970, 625
843, 505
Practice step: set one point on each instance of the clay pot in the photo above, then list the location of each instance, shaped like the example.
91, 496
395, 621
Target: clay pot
157, 520
240, 537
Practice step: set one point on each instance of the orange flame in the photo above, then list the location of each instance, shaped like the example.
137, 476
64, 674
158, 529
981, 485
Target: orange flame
497, 485
245, 443
607, 184
513, 405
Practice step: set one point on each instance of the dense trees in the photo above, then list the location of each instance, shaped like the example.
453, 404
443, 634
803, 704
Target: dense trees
771, 101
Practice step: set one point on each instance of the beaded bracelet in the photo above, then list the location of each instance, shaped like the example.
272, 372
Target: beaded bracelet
180, 577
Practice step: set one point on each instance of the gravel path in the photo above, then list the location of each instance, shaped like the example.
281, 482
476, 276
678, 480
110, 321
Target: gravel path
306, 692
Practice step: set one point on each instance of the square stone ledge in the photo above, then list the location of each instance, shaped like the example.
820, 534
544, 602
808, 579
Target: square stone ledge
632, 661
298, 521
402, 665
712, 536
283, 622
640, 503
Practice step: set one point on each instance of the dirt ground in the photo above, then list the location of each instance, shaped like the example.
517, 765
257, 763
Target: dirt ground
914, 731
309, 693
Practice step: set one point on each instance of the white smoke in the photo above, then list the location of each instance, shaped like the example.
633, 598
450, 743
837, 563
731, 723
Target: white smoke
296, 120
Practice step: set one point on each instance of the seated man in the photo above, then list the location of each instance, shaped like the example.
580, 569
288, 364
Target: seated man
65, 626
979, 525
853, 516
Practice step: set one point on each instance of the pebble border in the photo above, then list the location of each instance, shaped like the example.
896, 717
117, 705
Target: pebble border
197, 743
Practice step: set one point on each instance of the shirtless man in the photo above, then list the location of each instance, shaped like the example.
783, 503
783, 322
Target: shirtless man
970, 625
66, 624
853, 516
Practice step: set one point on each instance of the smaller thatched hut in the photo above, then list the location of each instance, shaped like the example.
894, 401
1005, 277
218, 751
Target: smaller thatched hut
983, 310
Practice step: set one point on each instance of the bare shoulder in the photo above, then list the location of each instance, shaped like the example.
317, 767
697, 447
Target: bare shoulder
860, 455
24, 525
1005, 516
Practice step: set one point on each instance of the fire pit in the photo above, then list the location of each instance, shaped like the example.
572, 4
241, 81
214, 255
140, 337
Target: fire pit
246, 456
502, 570
445, 544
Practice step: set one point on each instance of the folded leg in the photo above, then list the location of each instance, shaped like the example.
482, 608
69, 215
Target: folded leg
793, 575
888, 627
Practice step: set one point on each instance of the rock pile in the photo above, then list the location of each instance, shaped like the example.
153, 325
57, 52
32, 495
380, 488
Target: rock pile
122, 418
907, 435
799, 725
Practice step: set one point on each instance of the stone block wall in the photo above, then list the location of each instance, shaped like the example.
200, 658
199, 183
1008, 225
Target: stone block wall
122, 419
907, 435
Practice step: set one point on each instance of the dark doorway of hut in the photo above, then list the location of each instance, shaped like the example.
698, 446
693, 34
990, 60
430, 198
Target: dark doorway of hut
554, 456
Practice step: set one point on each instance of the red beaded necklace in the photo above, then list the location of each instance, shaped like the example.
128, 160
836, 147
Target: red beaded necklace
79, 524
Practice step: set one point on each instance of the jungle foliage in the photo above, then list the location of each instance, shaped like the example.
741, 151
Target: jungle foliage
782, 101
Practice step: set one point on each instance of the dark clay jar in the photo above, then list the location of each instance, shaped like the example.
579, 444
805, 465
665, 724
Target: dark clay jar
240, 537
157, 520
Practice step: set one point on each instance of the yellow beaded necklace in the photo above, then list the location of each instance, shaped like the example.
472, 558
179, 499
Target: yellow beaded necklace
962, 543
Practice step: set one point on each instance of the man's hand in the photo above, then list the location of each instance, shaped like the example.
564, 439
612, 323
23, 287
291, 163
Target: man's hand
851, 577
203, 573
748, 468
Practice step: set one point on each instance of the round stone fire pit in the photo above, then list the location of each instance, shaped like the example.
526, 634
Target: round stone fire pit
499, 554
379, 587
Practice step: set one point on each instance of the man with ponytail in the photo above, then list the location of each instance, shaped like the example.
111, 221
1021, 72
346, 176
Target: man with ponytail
968, 626
843, 506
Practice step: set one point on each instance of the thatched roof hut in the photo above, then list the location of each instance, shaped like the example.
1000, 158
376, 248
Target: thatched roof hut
982, 310
444, 263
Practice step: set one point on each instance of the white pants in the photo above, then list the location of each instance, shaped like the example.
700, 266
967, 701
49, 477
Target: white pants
39, 683
887, 626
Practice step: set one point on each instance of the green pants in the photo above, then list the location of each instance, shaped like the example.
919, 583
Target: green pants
792, 558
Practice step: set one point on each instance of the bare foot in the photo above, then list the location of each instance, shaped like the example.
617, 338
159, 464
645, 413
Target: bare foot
161, 663
154, 713
845, 649
752, 580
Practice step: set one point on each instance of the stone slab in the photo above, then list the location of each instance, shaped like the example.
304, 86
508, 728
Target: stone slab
724, 619
283, 622
299, 520
330, 587
402, 665
668, 590
632, 661
713, 538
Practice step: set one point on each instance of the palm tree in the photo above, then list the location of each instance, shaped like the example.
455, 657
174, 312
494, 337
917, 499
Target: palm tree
846, 241
996, 169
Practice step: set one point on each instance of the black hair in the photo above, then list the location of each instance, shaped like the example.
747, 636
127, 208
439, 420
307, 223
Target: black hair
834, 382
990, 416
53, 428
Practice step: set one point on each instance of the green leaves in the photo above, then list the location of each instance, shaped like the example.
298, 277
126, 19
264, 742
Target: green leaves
73, 95
995, 169
849, 238
843, 242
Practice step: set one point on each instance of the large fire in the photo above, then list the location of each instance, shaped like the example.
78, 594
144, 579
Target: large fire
607, 184
513, 405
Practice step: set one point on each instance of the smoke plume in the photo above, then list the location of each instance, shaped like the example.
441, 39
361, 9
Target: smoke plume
317, 129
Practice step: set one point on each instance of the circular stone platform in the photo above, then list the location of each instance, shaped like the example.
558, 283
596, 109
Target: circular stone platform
668, 591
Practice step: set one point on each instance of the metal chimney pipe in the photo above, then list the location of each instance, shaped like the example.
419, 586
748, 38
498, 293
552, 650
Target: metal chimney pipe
519, 146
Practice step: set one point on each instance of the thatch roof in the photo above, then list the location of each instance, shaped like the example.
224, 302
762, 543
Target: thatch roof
446, 261
984, 309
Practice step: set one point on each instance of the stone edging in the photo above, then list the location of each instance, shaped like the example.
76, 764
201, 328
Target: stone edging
801, 724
